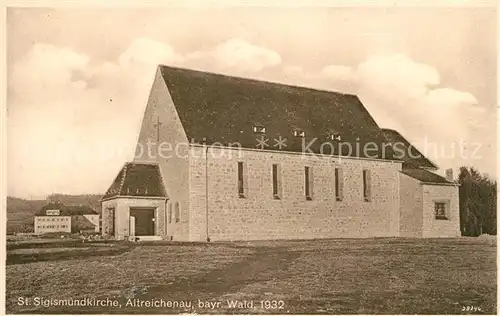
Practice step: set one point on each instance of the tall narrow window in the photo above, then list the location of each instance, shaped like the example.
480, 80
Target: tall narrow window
177, 212
339, 184
170, 212
165, 218
276, 182
241, 181
367, 185
308, 182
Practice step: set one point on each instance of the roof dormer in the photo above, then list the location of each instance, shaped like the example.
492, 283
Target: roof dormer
299, 133
259, 128
333, 135
336, 137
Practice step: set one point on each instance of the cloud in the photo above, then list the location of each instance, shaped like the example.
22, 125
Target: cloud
399, 72
447, 96
399, 88
147, 51
407, 95
72, 121
235, 56
46, 67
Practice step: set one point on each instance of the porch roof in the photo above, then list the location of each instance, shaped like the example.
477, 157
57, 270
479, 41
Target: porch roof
137, 179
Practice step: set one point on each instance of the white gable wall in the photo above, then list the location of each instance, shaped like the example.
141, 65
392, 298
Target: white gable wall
171, 152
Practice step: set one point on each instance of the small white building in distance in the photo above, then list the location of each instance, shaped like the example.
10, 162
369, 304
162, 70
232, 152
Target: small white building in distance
56, 217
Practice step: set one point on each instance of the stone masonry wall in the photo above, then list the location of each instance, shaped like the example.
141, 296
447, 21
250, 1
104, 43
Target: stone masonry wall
259, 216
107, 217
411, 207
441, 228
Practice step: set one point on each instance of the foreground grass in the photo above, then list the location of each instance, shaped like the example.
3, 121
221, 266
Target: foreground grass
369, 276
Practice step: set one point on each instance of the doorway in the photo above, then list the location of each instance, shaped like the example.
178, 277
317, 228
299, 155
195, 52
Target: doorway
144, 221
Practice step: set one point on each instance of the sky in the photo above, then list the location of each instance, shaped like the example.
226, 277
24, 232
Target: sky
78, 79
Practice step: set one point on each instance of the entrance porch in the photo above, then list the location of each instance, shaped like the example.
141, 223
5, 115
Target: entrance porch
133, 208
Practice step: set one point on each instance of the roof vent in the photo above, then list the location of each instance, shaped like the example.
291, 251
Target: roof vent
299, 133
259, 128
335, 136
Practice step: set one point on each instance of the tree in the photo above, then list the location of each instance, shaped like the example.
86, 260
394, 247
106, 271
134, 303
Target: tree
478, 196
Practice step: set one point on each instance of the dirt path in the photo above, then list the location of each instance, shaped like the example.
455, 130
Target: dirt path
260, 266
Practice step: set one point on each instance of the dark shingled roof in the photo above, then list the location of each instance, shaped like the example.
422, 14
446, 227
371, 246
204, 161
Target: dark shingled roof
137, 179
66, 210
404, 150
426, 176
219, 108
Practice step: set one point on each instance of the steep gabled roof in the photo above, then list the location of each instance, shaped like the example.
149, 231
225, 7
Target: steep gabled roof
219, 108
405, 151
66, 210
426, 176
137, 179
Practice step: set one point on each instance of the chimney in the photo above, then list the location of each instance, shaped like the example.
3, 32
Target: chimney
449, 175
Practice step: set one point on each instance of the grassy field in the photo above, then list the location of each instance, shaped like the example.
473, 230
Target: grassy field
369, 276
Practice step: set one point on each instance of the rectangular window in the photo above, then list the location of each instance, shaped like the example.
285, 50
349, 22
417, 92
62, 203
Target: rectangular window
440, 210
308, 182
276, 182
367, 191
339, 184
241, 181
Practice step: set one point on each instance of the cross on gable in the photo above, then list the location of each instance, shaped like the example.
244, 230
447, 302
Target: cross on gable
158, 125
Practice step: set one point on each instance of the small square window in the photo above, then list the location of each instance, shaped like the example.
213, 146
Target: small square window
440, 212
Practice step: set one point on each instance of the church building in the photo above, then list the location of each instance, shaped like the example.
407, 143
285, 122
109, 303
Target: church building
226, 158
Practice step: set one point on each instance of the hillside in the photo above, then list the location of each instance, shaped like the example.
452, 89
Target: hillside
20, 212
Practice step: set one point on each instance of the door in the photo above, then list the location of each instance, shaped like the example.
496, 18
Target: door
144, 221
